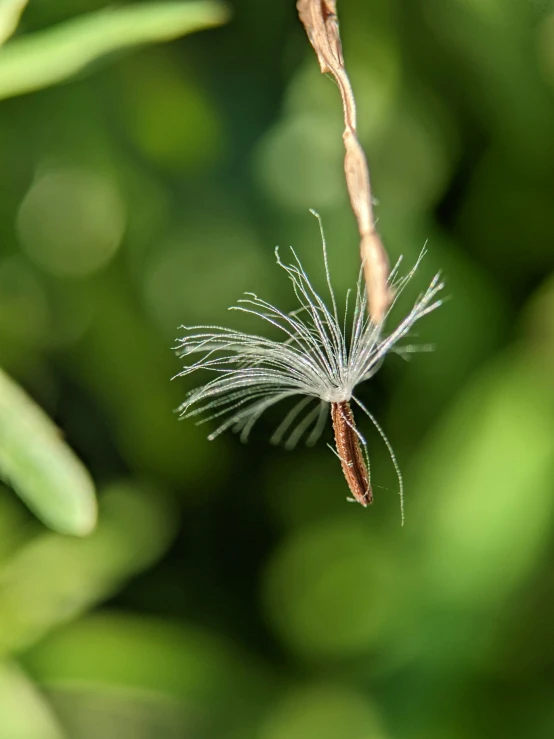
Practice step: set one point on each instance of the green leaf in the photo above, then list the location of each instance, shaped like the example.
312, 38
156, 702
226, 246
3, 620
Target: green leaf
486, 495
52, 579
49, 56
10, 13
40, 467
24, 710
490, 471
126, 656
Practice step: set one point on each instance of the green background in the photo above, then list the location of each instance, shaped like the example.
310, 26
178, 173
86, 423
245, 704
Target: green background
230, 591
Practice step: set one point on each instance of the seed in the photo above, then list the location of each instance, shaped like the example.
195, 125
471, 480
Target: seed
350, 453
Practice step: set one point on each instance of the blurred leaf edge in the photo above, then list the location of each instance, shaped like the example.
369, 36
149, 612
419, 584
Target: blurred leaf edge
52, 55
40, 467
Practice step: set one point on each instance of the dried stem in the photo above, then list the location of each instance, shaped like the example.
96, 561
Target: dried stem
320, 21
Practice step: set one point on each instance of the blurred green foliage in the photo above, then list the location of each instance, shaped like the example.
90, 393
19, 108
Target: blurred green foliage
229, 591
40, 467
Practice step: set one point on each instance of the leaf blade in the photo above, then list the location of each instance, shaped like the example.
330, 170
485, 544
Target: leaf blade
10, 13
50, 56
40, 467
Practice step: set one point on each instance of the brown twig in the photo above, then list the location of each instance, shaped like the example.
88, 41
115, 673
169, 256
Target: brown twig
320, 21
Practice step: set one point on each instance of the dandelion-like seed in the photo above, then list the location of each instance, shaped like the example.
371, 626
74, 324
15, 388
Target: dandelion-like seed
320, 357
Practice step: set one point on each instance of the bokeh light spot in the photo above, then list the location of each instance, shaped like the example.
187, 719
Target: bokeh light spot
327, 589
24, 311
195, 276
322, 712
171, 119
300, 163
71, 221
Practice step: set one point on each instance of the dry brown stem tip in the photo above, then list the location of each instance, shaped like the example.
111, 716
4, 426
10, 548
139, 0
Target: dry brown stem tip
319, 18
